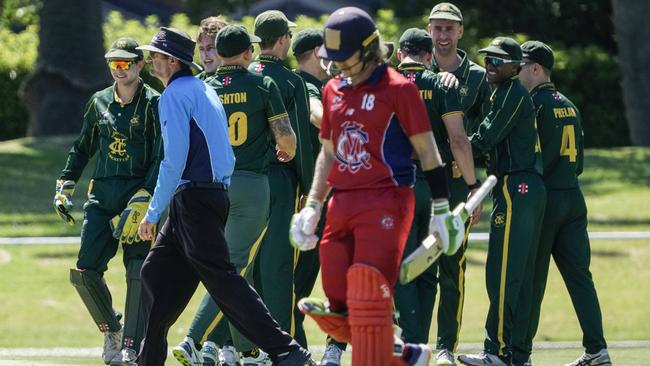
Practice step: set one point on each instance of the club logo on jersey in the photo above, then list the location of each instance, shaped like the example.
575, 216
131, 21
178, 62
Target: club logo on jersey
135, 120
227, 80
387, 222
411, 76
336, 103
556, 95
259, 67
350, 148
499, 219
349, 112
128, 342
117, 148
105, 118
522, 188
463, 91
385, 291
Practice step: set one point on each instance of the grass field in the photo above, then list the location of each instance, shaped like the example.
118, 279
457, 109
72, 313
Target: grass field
38, 307
615, 182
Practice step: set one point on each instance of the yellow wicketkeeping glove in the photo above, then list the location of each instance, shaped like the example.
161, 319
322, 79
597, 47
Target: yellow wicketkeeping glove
125, 226
63, 200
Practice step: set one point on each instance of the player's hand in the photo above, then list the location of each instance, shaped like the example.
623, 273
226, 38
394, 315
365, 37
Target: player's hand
126, 228
63, 200
283, 156
447, 228
147, 230
448, 79
476, 215
303, 226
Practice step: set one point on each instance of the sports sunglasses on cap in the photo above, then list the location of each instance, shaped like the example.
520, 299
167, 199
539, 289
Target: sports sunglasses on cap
497, 61
120, 64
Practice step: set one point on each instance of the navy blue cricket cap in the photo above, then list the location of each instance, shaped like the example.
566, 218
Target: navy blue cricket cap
175, 43
347, 31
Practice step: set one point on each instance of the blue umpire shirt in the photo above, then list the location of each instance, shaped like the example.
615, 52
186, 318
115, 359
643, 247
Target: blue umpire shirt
195, 137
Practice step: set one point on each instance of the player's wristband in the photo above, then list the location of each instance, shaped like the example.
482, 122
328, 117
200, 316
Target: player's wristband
474, 186
437, 180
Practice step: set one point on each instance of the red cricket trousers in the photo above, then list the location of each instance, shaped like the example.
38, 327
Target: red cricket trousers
368, 226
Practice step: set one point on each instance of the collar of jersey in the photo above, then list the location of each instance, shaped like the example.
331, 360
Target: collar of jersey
373, 79
411, 66
179, 74
229, 69
269, 58
117, 99
463, 69
549, 86
309, 78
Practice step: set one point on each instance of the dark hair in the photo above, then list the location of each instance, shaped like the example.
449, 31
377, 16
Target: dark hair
376, 51
414, 52
302, 57
269, 42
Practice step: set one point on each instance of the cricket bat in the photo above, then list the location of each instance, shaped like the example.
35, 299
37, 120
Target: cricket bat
429, 251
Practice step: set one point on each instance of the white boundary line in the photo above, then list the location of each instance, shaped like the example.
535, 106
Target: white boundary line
96, 351
59, 240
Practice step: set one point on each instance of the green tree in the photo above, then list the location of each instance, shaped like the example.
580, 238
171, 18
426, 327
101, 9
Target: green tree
70, 66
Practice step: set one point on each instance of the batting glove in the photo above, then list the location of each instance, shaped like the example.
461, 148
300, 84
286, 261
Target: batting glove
125, 226
448, 229
63, 200
303, 226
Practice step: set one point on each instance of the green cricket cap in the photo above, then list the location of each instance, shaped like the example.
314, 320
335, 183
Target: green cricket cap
124, 49
272, 24
538, 52
446, 11
307, 39
233, 40
503, 47
416, 39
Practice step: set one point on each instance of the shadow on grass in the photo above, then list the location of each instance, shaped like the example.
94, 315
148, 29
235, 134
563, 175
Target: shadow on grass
57, 255
630, 166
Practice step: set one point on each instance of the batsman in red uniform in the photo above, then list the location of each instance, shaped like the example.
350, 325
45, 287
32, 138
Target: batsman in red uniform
373, 121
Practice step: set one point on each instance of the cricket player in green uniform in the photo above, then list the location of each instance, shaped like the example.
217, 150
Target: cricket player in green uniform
415, 300
121, 126
446, 28
565, 221
508, 134
277, 259
256, 115
208, 29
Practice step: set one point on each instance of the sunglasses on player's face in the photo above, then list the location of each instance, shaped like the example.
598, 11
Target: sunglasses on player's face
496, 61
120, 64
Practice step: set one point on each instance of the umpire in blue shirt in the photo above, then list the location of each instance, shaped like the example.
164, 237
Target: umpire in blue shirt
193, 181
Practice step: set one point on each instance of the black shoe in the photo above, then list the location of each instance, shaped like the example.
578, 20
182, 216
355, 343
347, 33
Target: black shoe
297, 357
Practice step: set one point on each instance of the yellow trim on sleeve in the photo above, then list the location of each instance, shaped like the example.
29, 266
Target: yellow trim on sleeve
452, 113
277, 117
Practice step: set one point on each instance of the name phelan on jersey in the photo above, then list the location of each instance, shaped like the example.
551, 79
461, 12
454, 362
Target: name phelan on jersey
426, 94
233, 98
565, 112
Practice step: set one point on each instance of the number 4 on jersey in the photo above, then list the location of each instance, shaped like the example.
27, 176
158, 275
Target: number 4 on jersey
568, 145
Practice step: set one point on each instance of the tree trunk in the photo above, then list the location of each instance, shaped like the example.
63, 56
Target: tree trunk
69, 68
632, 35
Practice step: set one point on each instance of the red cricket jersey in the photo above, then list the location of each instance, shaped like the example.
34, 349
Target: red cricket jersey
369, 126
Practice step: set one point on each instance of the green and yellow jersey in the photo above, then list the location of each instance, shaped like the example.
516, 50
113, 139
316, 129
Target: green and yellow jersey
294, 96
439, 100
251, 103
473, 90
508, 134
125, 136
561, 136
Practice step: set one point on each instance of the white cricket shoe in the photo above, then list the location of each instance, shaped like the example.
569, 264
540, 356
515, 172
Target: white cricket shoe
229, 356
262, 359
210, 354
112, 345
187, 354
332, 356
482, 359
593, 359
126, 357
529, 362
445, 357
